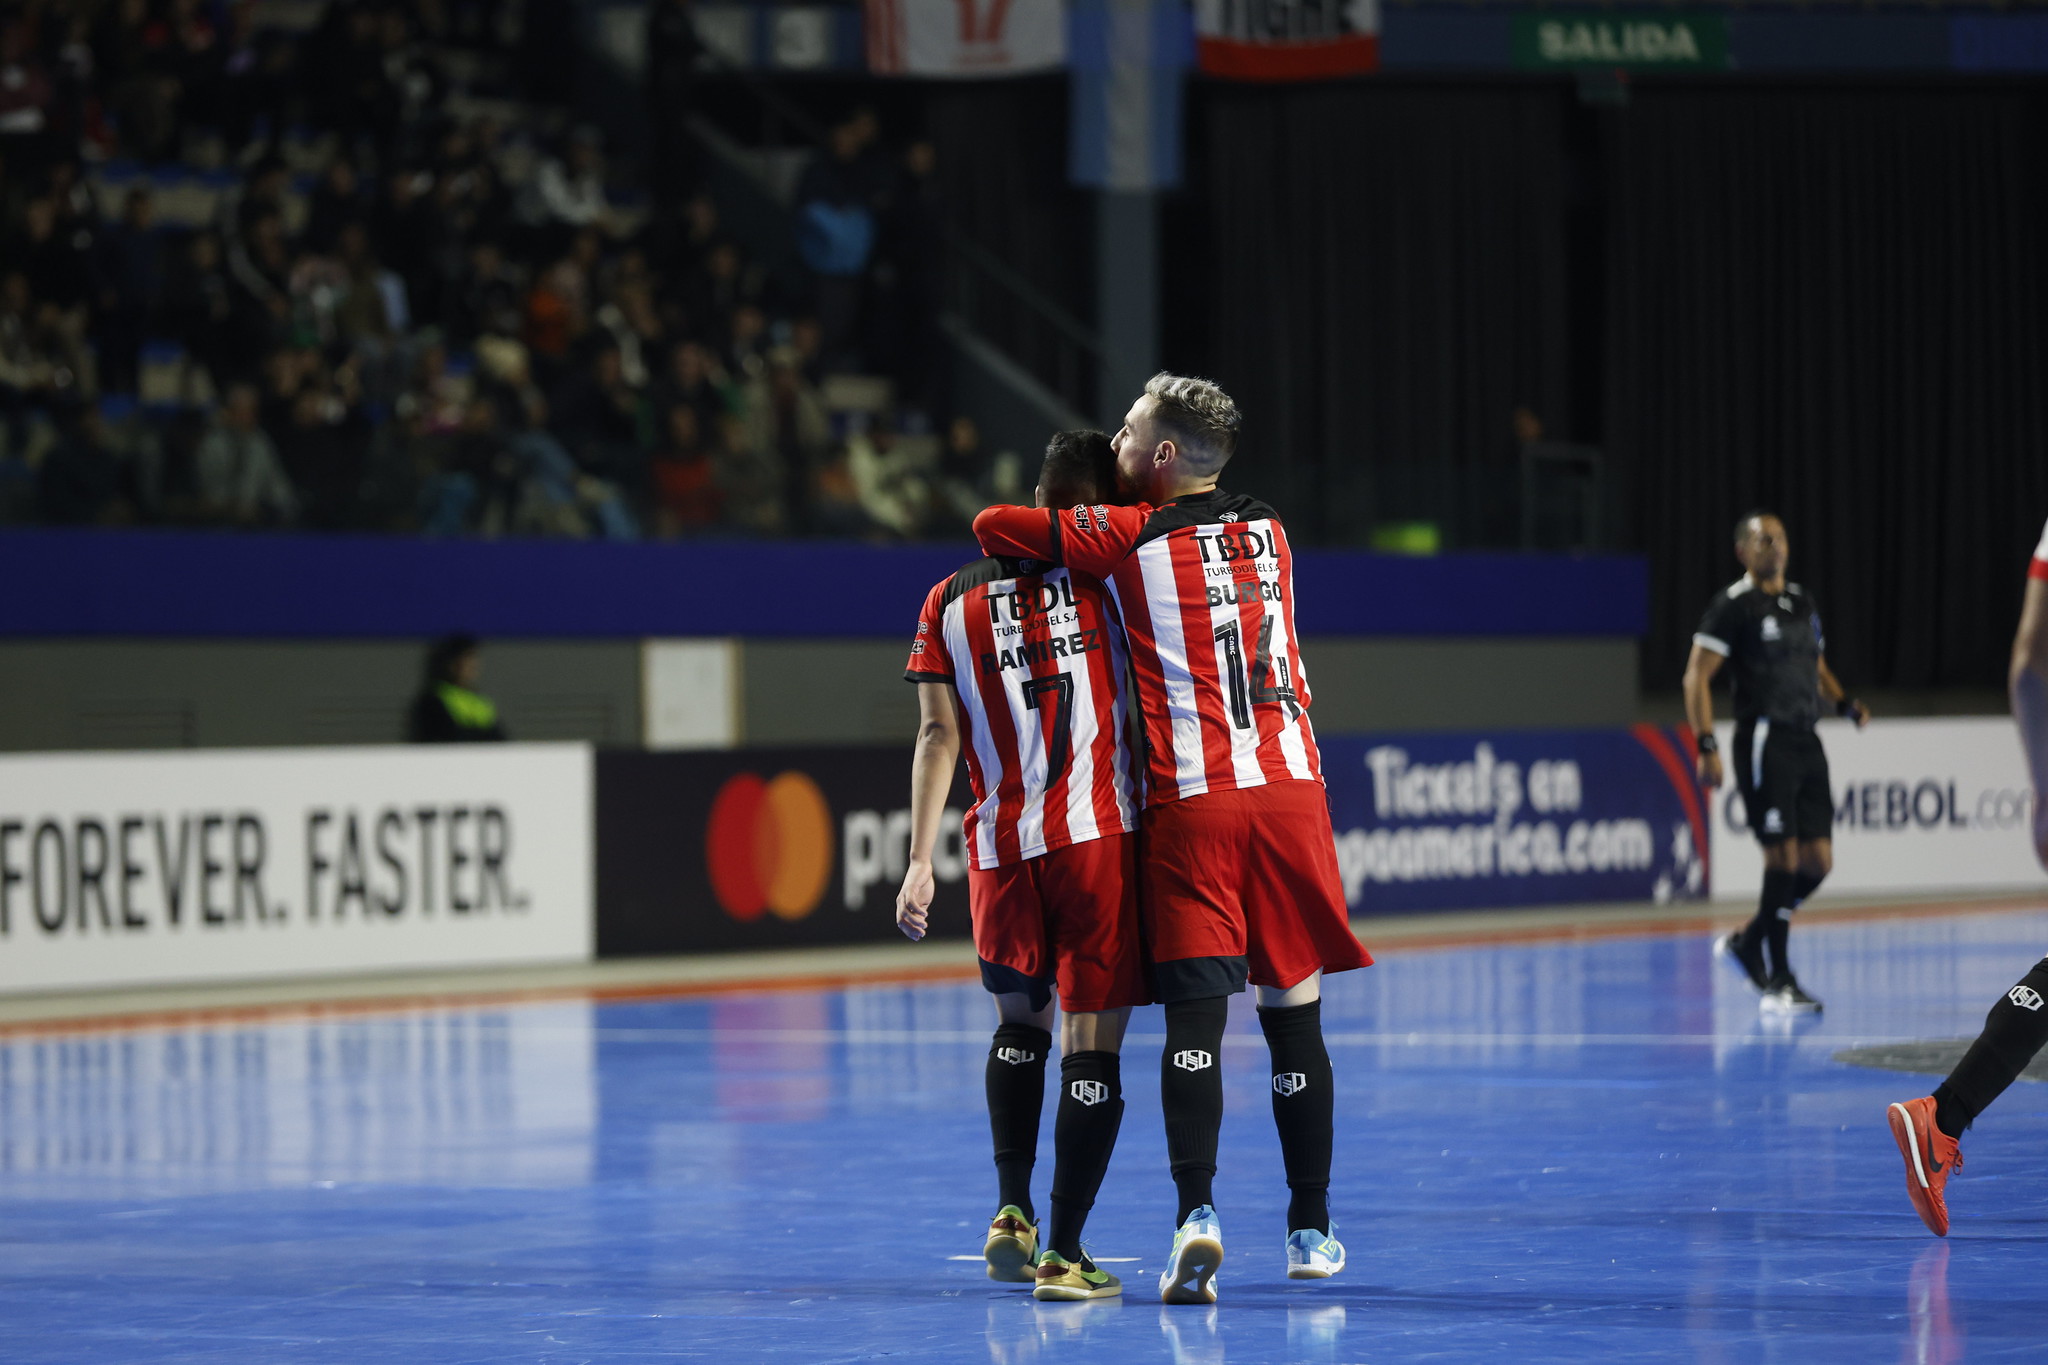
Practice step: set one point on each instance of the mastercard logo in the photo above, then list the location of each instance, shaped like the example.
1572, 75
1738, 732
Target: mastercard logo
769, 846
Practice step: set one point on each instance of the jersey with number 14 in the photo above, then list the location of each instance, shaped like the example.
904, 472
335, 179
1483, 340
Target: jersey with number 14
1035, 656
1205, 586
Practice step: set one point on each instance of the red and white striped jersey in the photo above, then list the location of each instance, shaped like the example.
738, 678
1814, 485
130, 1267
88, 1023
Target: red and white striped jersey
2039, 568
1035, 655
1205, 587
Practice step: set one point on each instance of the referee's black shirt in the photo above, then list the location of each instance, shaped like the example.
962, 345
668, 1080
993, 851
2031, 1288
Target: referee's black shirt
1773, 647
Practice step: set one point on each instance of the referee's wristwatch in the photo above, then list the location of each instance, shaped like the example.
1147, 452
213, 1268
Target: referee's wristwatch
1707, 744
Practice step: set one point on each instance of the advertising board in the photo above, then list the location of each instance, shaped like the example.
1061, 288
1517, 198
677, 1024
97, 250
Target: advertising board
1460, 821
1920, 805
138, 869
762, 848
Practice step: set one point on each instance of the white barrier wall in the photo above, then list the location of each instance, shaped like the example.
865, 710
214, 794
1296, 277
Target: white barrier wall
1920, 805
136, 869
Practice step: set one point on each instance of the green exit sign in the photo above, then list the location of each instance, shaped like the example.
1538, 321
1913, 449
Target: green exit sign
1635, 42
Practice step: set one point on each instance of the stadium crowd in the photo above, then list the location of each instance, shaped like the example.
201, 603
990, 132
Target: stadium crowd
402, 309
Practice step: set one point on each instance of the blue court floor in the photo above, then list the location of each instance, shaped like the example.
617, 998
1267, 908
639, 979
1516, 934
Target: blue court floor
1555, 1152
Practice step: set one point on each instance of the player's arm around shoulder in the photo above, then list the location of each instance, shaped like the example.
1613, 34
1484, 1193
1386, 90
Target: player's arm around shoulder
1016, 532
931, 777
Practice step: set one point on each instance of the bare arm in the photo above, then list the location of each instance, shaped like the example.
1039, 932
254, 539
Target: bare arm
1835, 694
2029, 681
931, 778
1700, 668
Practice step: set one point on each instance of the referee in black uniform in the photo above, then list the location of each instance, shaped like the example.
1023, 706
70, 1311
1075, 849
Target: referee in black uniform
1768, 631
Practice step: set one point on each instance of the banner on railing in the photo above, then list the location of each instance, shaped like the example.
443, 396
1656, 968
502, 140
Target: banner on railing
139, 869
1457, 821
1287, 40
1920, 806
965, 37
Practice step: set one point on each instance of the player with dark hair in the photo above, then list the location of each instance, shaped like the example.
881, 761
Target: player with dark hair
1768, 631
1929, 1130
1022, 660
1239, 866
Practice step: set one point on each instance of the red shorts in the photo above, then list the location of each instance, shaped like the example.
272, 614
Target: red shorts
1244, 883
1069, 916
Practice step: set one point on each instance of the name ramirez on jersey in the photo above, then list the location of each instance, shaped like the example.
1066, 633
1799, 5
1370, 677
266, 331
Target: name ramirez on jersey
1034, 654
1205, 588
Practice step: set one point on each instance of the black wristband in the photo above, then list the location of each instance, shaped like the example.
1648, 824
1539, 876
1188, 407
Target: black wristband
1707, 744
1846, 707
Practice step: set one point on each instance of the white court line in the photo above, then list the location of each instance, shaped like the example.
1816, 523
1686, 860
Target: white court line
979, 1037
1099, 1260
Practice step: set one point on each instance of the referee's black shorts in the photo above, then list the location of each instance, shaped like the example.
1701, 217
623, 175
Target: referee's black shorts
1783, 777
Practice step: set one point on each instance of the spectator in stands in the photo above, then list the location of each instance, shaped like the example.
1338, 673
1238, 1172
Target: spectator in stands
449, 709
685, 477
199, 304
237, 475
486, 298
322, 448
888, 478
787, 430
337, 200
836, 201
568, 191
964, 486
130, 279
694, 379
26, 91
80, 480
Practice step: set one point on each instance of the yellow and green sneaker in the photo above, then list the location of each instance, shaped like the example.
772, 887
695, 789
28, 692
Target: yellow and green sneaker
1062, 1280
1012, 1247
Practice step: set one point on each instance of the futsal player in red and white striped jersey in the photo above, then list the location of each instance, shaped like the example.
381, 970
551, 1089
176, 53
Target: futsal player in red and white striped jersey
1024, 669
1239, 870
1929, 1130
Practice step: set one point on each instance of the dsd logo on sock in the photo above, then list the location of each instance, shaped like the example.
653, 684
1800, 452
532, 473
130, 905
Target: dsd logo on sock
1192, 1059
1290, 1083
1089, 1092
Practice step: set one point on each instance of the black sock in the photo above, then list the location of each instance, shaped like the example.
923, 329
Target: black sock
2013, 1032
1804, 884
1772, 926
1015, 1079
1191, 1096
1083, 1135
1304, 1109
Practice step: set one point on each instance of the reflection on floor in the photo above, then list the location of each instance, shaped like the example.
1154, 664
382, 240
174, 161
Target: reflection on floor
1546, 1152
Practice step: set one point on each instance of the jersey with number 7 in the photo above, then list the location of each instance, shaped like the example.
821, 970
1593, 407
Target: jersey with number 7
1205, 587
1035, 656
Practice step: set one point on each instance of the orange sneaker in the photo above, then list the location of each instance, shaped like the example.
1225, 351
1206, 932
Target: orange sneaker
1931, 1156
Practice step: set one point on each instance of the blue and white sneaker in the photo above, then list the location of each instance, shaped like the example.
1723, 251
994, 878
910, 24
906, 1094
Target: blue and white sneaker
1190, 1275
1313, 1255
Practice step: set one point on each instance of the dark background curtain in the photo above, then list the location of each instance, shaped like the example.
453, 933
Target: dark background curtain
1825, 299
1829, 302
1387, 283
1002, 158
